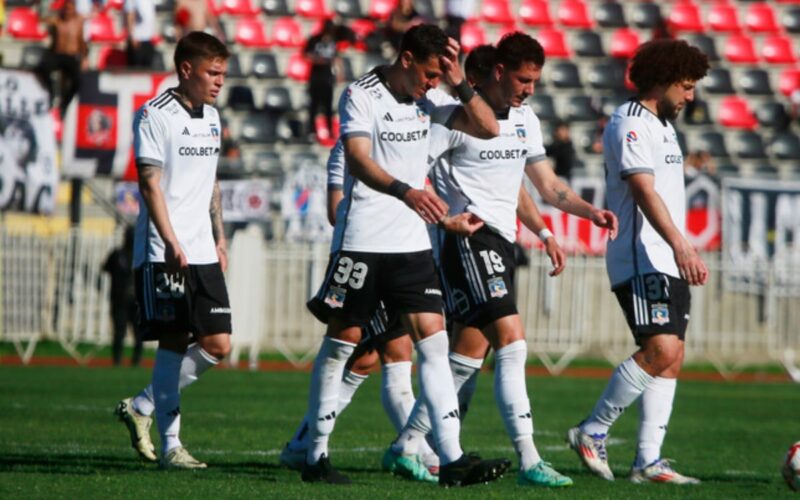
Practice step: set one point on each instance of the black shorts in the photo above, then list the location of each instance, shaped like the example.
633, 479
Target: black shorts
357, 282
381, 329
654, 304
478, 277
196, 304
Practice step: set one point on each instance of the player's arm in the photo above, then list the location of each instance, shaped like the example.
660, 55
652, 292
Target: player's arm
555, 192
691, 266
335, 195
529, 215
217, 228
464, 224
153, 197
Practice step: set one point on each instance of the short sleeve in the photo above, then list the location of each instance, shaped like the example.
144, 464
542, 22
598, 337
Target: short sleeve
355, 113
150, 136
335, 167
632, 139
536, 151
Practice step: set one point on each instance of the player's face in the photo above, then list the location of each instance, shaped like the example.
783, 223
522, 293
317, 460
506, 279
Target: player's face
423, 76
675, 99
519, 84
205, 79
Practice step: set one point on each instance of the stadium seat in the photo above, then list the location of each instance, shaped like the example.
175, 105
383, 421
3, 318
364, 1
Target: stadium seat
103, 30
786, 146
748, 145
607, 75
553, 42
276, 8
565, 75
348, 9
381, 9
728, 170
734, 112
790, 19
240, 98
314, 9
535, 13
264, 65
362, 28
235, 66
587, 44
260, 127
697, 113
114, 5
574, 14
286, 32
760, 18
755, 82
778, 49
472, 35
579, 109
789, 81
425, 9
268, 163
110, 57
718, 81
250, 32
496, 12
765, 171
713, 142
23, 24
645, 15
238, 8
609, 103
624, 43
278, 98
723, 17
685, 17
543, 106
706, 45
31, 56
610, 15
773, 115
298, 68
165, 6
740, 49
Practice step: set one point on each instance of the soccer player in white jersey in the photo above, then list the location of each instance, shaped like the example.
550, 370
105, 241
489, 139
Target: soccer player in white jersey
484, 177
179, 255
651, 264
381, 249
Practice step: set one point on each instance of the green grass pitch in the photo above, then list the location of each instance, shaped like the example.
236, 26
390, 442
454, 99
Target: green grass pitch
58, 438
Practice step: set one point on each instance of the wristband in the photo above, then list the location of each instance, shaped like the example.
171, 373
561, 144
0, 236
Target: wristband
464, 91
398, 189
544, 234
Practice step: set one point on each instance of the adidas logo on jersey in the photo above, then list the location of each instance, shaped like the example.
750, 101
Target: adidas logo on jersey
387, 117
186, 131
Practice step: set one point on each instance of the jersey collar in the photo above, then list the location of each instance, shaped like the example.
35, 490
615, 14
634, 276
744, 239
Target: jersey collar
662, 120
379, 72
193, 113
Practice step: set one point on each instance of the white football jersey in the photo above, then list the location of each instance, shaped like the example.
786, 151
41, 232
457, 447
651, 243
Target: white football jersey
367, 220
483, 176
635, 141
185, 144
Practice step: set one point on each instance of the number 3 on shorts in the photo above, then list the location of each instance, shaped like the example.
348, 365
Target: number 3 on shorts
355, 272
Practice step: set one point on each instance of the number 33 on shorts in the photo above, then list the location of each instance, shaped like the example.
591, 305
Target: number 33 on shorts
348, 272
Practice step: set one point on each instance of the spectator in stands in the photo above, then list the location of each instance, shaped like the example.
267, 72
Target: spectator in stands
119, 265
229, 148
456, 14
194, 15
596, 146
321, 51
402, 18
140, 16
67, 54
562, 151
699, 162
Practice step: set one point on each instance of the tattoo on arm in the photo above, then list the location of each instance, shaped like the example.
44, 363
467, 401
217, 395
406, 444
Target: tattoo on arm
215, 210
562, 196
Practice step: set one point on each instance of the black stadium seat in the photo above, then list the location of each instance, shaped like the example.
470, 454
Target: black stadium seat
565, 75
765, 170
240, 98
276, 8
542, 105
260, 127
790, 19
713, 143
31, 56
580, 109
718, 81
350, 9
705, 44
786, 146
608, 75
645, 15
235, 67
268, 163
587, 44
748, 145
610, 15
755, 82
278, 99
772, 115
609, 103
264, 65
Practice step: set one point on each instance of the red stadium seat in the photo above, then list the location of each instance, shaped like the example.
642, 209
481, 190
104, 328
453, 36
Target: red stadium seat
381, 9
724, 18
114, 4
298, 67
215, 7
312, 8
496, 12
110, 57
554, 43
734, 112
574, 14
23, 24
238, 7
778, 49
535, 13
286, 33
362, 27
789, 81
760, 18
685, 17
250, 32
624, 43
472, 35
740, 49
505, 30
103, 30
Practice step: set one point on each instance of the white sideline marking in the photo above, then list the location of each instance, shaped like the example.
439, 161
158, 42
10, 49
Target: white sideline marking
740, 473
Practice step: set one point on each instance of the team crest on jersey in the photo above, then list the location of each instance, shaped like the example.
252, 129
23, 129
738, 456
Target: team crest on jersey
335, 297
659, 313
214, 131
497, 287
631, 137
521, 134
422, 115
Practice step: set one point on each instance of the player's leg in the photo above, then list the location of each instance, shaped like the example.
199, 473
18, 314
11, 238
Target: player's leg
468, 349
119, 321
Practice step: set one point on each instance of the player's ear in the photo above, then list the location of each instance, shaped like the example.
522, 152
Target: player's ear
406, 58
499, 69
185, 70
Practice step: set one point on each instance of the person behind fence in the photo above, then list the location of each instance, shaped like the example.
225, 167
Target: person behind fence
119, 266
180, 251
650, 264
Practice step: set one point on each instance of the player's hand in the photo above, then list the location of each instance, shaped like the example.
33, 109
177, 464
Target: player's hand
427, 205
462, 224
557, 256
175, 260
690, 265
451, 70
222, 254
606, 219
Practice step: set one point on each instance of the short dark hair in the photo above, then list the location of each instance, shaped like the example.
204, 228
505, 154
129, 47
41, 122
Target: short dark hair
517, 47
424, 41
479, 63
199, 45
664, 62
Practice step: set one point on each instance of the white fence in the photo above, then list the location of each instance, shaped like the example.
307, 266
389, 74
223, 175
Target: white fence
53, 288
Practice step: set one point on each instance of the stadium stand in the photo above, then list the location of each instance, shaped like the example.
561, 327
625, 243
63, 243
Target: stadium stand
587, 44
24, 24
554, 43
535, 13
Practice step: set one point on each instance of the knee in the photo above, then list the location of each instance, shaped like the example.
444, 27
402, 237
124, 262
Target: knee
397, 350
661, 357
218, 347
364, 364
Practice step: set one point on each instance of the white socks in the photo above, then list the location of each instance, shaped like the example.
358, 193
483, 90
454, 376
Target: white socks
397, 394
626, 384
323, 396
465, 376
512, 401
167, 398
438, 391
655, 407
195, 362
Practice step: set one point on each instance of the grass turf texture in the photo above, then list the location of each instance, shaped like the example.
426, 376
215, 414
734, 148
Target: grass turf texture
58, 438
